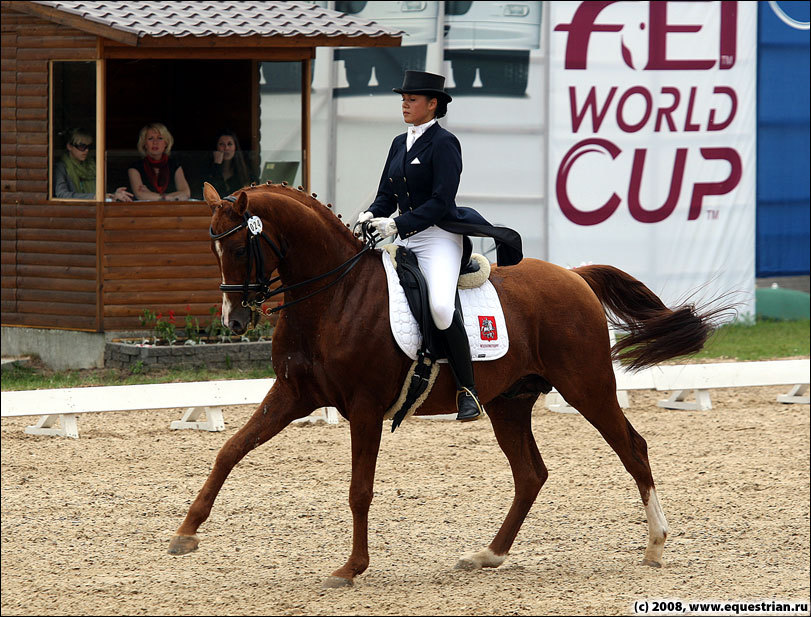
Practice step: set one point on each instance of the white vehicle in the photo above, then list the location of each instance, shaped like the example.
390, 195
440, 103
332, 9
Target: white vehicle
419, 22
496, 38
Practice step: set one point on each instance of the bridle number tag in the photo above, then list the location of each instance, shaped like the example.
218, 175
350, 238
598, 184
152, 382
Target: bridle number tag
255, 225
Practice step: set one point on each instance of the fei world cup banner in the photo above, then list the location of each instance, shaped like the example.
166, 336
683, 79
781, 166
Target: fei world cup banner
652, 144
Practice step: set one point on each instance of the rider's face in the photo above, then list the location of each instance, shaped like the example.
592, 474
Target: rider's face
418, 108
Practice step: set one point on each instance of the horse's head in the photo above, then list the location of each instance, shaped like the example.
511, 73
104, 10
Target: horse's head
275, 227
243, 263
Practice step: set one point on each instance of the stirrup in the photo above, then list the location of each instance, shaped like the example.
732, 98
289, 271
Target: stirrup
469, 409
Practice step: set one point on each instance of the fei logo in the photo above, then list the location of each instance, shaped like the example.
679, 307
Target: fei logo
583, 25
487, 328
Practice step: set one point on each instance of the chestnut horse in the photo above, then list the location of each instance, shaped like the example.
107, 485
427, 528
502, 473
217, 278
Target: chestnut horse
558, 337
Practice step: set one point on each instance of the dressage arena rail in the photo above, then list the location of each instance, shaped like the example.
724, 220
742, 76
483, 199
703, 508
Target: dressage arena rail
209, 397
701, 378
204, 397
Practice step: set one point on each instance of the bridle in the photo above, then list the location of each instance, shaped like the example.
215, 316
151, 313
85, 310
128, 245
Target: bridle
256, 261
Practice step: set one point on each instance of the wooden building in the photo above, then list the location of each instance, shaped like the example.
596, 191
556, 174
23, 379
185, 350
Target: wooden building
95, 264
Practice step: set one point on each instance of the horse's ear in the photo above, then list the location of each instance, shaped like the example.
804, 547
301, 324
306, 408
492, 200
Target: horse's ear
211, 196
241, 204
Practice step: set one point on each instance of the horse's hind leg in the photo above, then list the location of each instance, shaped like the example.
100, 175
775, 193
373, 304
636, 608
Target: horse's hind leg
279, 408
605, 414
511, 420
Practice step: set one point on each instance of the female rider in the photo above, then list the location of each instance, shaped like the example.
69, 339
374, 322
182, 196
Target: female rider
420, 179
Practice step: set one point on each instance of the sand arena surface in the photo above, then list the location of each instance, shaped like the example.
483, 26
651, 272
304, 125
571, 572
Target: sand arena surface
86, 523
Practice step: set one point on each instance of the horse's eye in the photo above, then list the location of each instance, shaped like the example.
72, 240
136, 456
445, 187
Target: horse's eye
240, 251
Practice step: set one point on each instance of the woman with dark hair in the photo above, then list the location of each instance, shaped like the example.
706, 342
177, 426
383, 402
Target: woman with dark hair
420, 179
228, 171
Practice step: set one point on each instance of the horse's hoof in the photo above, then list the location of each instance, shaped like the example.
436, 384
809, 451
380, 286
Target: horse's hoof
181, 545
651, 563
467, 564
335, 582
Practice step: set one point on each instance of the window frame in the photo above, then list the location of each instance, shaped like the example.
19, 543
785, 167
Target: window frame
98, 128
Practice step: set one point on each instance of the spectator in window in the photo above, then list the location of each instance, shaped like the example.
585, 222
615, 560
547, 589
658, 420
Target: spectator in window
228, 171
158, 176
75, 172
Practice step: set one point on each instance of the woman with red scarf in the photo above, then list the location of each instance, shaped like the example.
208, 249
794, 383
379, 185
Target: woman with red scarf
157, 177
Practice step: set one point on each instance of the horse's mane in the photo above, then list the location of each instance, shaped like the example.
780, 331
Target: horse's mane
323, 211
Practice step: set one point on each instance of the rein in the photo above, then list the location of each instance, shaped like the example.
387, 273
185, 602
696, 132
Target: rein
261, 287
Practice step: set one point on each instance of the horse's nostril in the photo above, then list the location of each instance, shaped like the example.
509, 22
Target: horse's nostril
236, 326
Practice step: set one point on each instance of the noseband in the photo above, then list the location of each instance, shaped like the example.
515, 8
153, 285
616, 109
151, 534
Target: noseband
261, 287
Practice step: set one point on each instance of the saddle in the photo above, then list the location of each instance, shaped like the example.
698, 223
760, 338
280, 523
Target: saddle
414, 330
474, 272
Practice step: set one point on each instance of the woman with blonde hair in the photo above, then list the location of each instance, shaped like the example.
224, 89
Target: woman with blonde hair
75, 172
158, 176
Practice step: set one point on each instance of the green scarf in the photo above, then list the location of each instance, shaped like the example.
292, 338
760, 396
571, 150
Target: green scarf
82, 174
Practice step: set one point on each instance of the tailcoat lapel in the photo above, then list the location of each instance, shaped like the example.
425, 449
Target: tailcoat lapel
422, 143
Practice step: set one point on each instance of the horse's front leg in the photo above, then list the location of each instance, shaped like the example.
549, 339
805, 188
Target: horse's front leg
365, 433
511, 423
279, 408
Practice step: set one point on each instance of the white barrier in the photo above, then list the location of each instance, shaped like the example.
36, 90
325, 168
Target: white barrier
63, 405
701, 378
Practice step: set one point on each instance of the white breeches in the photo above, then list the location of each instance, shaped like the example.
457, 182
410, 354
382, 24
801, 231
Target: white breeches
439, 254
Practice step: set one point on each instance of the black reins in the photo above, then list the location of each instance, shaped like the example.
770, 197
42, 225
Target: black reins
256, 261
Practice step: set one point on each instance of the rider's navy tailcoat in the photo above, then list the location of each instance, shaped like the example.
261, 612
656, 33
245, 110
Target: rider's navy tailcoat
422, 185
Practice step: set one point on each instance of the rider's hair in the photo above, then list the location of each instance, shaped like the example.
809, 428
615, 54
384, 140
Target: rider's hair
441, 109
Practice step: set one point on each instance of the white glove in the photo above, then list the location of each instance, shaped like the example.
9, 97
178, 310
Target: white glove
363, 217
384, 226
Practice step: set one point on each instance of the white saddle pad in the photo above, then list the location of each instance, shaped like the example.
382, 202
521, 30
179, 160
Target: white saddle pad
484, 319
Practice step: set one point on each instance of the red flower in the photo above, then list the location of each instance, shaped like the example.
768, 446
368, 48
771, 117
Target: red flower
219, 312
158, 316
171, 317
188, 308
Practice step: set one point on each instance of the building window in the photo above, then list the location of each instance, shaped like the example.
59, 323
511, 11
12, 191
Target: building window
231, 122
206, 109
74, 158
280, 122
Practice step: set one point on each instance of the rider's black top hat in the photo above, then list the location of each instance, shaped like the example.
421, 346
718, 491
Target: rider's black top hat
420, 82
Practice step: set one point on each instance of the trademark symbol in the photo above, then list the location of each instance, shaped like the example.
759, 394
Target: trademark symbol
712, 214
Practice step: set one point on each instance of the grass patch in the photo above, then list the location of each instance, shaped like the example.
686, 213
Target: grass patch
767, 339
35, 376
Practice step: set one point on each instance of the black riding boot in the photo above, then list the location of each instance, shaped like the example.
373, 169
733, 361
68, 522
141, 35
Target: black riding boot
458, 349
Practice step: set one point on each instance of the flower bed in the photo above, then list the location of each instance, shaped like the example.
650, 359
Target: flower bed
135, 355
165, 345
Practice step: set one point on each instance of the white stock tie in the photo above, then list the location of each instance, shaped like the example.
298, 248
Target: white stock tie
411, 137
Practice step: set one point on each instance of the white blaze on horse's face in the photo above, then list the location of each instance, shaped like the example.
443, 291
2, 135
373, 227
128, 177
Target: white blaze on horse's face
226, 303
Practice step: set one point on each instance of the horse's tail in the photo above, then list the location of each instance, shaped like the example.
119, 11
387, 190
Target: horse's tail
655, 332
